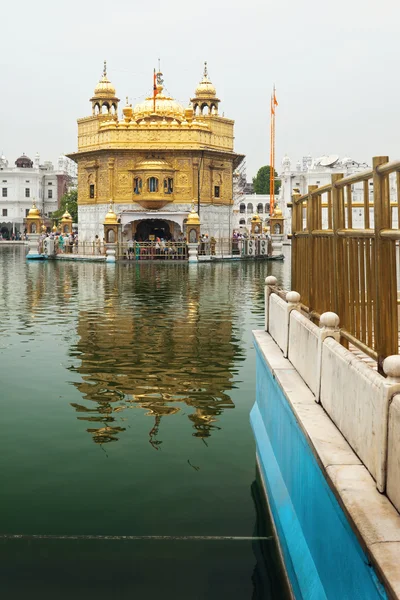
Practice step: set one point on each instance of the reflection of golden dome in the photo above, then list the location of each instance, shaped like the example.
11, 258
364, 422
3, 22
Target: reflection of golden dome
34, 212
104, 89
256, 219
193, 218
205, 87
111, 218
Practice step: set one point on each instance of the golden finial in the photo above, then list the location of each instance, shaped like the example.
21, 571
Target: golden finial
127, 103
205, 70
105, 69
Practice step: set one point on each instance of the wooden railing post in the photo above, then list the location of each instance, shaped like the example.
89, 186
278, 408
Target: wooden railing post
386, 320
338, 250
296, 226
312, 217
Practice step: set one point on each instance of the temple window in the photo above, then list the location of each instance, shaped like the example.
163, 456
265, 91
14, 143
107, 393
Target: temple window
33, 227
242, 222
26, 212
260, 208
49, 193
27, 193
242, 208
152, 184
91, 190
137, 186
168, 185
249, 207
4, 212
4, 192
216, 191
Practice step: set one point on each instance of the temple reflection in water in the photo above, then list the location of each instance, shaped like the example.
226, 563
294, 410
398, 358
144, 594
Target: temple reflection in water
164, 343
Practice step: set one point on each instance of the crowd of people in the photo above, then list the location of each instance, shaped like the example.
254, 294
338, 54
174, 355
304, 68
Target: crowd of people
63, 243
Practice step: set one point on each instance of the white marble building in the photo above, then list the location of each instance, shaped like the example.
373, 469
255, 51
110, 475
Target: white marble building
318, 172
29, 180
245, 207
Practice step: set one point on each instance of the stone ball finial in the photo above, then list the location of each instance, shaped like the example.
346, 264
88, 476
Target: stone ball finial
293, 297
391, 367
329, 319
270, 280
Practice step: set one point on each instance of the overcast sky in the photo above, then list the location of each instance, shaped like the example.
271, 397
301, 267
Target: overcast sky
335, 65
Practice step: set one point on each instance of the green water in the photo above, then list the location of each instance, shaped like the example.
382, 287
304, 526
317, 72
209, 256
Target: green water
125, 399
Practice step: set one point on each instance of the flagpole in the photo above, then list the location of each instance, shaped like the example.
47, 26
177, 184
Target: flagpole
154, 91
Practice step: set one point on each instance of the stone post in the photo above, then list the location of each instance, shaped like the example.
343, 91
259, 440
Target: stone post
110, 252
391, 368
277, 244
193, 252
270, 282
329, 327
293, 303
33, 245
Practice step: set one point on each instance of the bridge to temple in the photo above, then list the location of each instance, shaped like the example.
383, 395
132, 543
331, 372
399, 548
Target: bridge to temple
327, 413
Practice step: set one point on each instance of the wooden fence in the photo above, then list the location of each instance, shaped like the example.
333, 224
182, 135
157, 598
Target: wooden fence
346, 269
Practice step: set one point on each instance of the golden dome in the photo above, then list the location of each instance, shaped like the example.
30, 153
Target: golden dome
54, 228
256, 219
205, 87
66, 216
193, 218
153, 164
104, 89
110, 218
277, 212
34, 212
164, 107
127, 110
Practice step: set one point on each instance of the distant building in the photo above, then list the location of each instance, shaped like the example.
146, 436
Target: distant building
318, 172
249, 205
29, 180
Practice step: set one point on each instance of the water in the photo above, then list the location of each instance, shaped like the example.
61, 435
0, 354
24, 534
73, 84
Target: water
125, 399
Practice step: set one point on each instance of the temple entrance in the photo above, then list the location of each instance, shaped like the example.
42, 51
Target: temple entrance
148, 228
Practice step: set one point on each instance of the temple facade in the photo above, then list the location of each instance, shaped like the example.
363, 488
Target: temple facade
155, 162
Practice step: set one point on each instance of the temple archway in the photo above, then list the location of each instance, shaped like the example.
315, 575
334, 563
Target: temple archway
153, 227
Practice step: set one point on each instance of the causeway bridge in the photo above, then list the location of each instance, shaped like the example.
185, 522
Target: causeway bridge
327, 413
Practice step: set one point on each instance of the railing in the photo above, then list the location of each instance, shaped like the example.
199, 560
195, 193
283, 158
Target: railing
152, 251
214, 247
351, 271
240, 247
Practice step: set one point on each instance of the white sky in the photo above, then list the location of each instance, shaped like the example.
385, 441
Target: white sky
335, 66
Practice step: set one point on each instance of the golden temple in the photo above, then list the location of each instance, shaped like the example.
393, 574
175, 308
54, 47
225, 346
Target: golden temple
154, 162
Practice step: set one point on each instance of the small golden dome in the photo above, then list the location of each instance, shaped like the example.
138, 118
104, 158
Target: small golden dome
127, 111
256, 219
34, 212
193, 218
54, 228
277, 212
104, 89
110, 218
205, 87
153, 164
66, 216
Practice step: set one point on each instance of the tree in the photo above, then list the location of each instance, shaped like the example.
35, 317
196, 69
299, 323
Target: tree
69, 199
261, 181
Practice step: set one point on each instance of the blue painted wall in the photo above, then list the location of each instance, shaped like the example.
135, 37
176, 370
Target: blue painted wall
322, 555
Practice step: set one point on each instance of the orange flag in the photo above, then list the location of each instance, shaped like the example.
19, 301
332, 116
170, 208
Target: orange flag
275, 100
